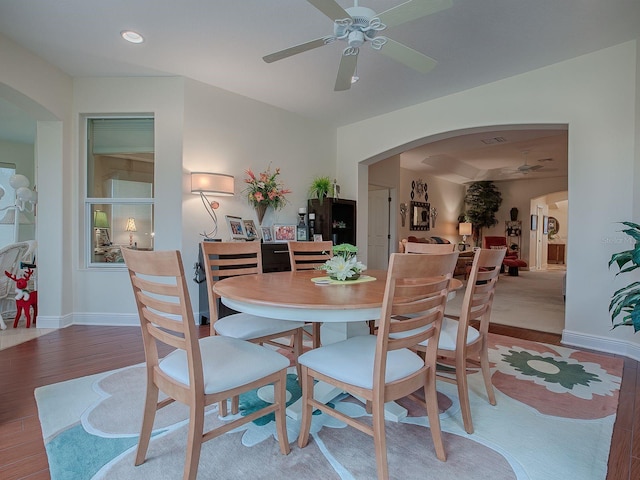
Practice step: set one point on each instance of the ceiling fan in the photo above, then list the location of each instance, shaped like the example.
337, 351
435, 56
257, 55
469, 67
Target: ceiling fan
525, 168
359, 25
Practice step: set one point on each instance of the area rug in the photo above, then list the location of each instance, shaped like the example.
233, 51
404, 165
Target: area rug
553, 420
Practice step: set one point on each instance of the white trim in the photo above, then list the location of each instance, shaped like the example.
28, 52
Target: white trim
601, 344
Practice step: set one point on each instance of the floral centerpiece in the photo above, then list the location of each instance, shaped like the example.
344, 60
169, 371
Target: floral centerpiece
343, 265
265, 191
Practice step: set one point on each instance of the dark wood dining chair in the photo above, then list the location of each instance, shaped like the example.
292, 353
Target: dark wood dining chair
384, 367
198, 372
308, 256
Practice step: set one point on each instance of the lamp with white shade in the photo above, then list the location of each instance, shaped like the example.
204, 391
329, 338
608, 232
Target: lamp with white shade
464, 229
217, 184
131, 227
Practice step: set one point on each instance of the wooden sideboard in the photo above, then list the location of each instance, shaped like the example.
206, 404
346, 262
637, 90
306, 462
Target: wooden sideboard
555, 253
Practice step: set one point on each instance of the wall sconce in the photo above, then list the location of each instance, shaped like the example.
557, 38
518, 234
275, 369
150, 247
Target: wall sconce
434, 214
131, 227
216, 184
403, 212
464, 229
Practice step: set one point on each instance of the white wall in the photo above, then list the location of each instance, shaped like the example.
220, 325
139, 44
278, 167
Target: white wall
595, 95
45, 92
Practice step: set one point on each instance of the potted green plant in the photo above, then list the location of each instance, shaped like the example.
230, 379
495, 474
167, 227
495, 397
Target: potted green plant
626, 301
320, 188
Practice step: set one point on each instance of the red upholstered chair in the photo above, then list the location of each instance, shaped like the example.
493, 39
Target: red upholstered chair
511, 260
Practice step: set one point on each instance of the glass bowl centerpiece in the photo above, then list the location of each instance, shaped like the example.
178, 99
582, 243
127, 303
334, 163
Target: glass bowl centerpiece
343, 265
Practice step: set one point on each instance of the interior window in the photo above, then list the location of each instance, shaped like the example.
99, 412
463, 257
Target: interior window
120, 187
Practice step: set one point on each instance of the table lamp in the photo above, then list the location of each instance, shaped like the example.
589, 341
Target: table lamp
216, 184
101, 224
464, 229
131, 227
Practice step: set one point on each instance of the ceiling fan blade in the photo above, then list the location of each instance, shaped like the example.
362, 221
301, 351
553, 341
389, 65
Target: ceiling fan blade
408, 56
303, 47
330, 8
411, 10
347, 68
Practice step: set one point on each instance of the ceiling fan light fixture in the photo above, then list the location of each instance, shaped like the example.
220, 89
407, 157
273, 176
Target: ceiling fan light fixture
131, 36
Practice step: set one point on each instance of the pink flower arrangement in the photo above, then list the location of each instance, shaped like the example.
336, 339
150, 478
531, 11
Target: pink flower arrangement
265, 189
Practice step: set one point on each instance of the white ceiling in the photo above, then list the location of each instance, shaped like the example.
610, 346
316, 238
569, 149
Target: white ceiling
222, 42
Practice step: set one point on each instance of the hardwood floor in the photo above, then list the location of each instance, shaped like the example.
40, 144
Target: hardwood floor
84, 350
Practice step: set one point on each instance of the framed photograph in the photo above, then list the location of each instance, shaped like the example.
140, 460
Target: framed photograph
534, 222
250, 229
284, 233
545, 225
302, 234
317, 237
236, 227
267, 234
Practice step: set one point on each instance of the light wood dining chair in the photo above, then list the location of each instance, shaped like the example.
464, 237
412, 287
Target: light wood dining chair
384, 367
198, 372
462, 343
308, 256
230, 259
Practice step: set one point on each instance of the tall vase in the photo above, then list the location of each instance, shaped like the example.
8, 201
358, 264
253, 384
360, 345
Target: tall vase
261, 209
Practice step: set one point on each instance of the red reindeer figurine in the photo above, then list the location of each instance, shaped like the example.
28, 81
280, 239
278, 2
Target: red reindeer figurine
24, 298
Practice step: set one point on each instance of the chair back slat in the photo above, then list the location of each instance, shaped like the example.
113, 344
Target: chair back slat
309, 255
429, 248
417, 286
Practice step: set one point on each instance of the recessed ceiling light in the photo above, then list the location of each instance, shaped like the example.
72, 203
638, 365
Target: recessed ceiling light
131, 36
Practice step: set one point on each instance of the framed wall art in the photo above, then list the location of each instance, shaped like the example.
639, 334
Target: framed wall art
534, 222
284, 233
236, 227
545, 225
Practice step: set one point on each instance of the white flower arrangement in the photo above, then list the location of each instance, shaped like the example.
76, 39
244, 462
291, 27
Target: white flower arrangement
343, 265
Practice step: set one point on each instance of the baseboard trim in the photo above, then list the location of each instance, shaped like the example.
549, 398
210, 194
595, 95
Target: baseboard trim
97, 319
602, 344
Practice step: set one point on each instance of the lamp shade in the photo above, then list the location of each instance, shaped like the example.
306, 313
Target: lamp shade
100, 219
466, 228
215, 183
131, 225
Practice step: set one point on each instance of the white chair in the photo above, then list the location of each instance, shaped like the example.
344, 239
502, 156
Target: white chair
198, 372
382, 368
11, 257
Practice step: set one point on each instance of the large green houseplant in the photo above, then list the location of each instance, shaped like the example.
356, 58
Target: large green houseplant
483, 200
626, 301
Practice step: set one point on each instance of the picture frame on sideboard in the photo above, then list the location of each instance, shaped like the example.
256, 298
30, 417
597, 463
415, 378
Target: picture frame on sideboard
236, 227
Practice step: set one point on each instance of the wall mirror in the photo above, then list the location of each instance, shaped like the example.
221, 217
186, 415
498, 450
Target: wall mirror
420, 215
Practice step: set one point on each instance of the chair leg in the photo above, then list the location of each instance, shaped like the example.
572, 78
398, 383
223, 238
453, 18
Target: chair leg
280, 397
235, 404
316, 334
307, 409
486, 373
463, 394
380, 439
194, 439
150, 408
433, 413
297, 339
222, 408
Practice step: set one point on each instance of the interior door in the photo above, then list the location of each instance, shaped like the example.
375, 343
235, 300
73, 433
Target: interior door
379, 229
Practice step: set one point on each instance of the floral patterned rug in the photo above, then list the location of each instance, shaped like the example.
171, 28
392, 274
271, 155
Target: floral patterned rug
553, 420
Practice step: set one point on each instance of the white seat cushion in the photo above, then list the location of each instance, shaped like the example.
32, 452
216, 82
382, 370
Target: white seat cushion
351, 361
448, 334
226, 363
246, 326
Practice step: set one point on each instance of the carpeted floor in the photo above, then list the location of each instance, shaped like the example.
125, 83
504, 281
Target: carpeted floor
553, 420
532, 300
